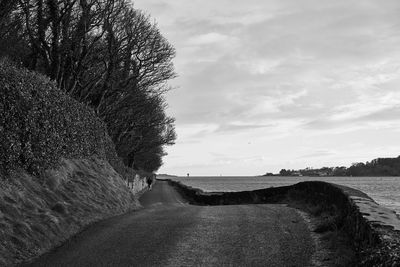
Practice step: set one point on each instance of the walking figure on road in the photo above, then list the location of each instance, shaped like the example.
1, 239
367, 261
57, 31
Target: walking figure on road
149, 182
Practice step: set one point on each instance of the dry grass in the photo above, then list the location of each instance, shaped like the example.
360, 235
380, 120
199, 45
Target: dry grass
38, 214
333, 246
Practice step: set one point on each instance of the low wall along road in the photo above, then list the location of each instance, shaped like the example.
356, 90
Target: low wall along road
373, 229
137, 184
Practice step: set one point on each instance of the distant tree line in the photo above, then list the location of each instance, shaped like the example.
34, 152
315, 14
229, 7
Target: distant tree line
325, 171
105, 54
380, 166
376, 167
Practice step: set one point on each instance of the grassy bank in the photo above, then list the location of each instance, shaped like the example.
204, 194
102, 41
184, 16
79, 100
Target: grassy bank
39, 214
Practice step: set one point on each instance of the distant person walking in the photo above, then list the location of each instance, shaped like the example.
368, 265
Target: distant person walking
149, 181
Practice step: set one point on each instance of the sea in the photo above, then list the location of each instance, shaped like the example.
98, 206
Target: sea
384, 190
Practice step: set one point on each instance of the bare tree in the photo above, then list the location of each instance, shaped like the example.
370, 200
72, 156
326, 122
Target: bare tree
108, 55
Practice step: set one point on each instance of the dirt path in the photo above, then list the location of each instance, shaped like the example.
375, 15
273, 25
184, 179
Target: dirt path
170, 232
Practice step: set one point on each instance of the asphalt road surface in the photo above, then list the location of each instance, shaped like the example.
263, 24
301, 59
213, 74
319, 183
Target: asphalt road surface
170, 232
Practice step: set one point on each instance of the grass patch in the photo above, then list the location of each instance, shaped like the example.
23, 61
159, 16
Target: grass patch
38, 214
333, 245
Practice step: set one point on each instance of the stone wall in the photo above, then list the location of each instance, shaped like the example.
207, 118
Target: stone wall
137, 184
375, 230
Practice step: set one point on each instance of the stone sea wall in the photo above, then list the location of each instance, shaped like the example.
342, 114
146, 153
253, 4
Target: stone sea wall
374, 230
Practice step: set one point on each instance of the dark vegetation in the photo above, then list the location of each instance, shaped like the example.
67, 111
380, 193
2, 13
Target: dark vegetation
376, 167
40, 124
106, 55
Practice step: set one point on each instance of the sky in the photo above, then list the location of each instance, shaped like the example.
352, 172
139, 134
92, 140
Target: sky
269, 84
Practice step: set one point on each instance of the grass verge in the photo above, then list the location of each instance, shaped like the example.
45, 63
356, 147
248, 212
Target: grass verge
333, 245
37, 214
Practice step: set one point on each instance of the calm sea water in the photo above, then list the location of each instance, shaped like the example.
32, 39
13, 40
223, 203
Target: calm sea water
384, 190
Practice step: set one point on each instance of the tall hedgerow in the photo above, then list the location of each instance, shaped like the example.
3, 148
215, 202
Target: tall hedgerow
39, 124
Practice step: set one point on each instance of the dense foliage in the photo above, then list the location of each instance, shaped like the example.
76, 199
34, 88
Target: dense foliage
380, 166
40, 124
105, 54
376, 167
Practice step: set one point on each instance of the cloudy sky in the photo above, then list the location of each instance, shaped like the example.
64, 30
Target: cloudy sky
271, 84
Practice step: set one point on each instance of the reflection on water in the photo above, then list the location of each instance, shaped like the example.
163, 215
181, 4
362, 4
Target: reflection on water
384, 190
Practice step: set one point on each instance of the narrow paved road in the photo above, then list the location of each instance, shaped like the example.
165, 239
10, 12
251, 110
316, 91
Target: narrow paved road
170, 232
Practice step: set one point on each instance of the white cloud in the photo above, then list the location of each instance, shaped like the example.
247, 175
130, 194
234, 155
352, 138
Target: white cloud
317, 74
208, 38
258, 66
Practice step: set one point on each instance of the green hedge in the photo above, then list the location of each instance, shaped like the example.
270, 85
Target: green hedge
39, 124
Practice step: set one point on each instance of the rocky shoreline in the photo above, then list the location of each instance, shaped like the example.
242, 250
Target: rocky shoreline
374, 230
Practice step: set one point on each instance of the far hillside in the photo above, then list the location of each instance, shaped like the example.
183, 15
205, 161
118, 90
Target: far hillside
375, 167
